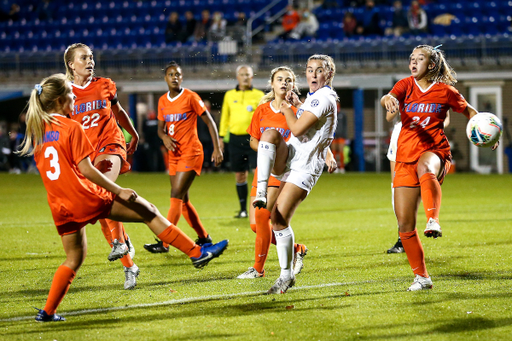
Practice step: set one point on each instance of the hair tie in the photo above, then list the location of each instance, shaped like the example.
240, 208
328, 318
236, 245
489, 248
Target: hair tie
39, 88
436, 48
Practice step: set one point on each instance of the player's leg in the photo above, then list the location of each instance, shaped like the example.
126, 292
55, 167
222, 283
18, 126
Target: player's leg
242, 191
429, 168
180, 185
272, 156
398, 247
406, 208
142, 211
116, 229
120, 249
289, 198
75, 247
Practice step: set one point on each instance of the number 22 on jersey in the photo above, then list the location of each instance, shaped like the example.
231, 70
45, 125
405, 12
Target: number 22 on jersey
90, 121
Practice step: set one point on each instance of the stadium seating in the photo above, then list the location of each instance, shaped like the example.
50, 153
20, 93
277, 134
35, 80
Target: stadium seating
126, 25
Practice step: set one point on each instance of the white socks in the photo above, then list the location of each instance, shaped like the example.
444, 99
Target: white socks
285, 251
266, 159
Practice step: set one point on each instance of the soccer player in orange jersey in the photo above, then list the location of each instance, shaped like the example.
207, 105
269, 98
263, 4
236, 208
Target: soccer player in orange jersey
178, 111
78, 194
423, 155
269, 116
98, 110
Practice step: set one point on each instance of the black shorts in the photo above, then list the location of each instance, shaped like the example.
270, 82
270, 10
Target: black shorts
243, 158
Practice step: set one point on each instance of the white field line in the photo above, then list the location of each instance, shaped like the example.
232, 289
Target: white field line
180, 301
27, 224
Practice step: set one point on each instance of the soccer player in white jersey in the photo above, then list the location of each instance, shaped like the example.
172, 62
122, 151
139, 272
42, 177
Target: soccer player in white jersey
299, 162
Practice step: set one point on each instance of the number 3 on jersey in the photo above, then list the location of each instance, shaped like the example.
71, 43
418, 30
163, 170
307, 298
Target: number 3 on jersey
416, 121
54, 163
93, 119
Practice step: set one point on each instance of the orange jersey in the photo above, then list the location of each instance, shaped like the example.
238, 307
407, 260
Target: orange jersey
180, 116
72, 198
266, 117
93, 109
423, 113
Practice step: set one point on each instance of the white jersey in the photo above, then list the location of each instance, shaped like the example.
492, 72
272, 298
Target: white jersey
310, 149
393, 143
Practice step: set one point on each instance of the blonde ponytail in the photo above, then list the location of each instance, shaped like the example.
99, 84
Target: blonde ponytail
43, 100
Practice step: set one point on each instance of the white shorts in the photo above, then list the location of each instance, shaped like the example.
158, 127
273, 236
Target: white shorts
301, 180
393, 143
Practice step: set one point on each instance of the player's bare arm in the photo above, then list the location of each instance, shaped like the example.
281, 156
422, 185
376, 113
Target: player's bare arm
91, 173
390, 103
169, 142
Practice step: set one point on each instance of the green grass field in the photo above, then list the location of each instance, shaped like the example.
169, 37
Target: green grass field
349, 288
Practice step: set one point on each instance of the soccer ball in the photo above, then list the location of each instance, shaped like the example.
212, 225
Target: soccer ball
484, 129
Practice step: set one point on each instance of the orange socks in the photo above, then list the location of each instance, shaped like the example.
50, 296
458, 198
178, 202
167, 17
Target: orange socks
106, 231
414, 250
192, 218
60, 285
263, 238
431, 195
174, 213
175, 237
115, 230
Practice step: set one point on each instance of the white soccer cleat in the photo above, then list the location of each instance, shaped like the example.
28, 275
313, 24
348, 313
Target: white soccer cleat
130, 275
420, 283
299, 260
281, 286
252, 273
131, 248
261, 200
433, 229
118, 250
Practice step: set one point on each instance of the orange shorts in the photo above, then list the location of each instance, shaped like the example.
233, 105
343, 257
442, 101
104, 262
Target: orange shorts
115, 149
73, 226
406, 174
272, 182
186, 163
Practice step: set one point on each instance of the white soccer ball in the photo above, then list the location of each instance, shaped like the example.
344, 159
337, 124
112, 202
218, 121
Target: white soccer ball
484, 129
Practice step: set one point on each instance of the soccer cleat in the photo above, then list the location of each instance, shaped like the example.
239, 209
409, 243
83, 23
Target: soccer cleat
242, 214
420, 283
298, 262
118, 250
433, 229
252, 273
131, 275
158, 247
202, 241
42, 316
397, 248
281, 286
208, 252
131, 248
260, 201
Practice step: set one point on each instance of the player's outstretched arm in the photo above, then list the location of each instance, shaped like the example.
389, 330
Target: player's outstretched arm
91, 173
